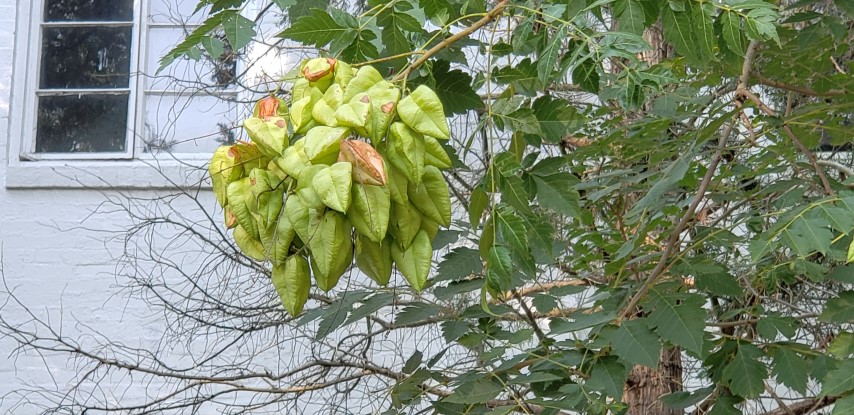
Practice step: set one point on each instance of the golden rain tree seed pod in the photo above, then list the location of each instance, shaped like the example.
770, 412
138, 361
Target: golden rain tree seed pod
333, 184
270, 136
323, 143
422, 110
414, 261
324, 110
406, 151
369, 211
292, 280
368, 164
374, 259
331, 249
366, 78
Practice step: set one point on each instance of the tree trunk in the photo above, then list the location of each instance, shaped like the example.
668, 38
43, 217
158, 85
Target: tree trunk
645, 385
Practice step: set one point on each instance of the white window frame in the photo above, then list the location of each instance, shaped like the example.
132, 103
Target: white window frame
132, 169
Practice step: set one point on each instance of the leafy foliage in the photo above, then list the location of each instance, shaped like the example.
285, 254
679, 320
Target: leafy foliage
629, 178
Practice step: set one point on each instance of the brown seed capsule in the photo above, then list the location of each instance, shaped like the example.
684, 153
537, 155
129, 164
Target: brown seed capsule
268, 107
316, 69
368, 167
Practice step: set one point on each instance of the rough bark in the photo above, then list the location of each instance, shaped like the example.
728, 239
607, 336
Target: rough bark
645, 385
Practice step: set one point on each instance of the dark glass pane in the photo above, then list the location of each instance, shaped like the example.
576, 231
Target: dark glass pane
85, 57
92, 10
82, 123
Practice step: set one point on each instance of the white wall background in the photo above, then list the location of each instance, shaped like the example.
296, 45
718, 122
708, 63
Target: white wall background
56, 260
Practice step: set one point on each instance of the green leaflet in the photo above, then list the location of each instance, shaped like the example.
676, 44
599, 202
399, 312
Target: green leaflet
242, 203
404, 223
431, 196
366, 77
499, 270
422, 110
293, 159
292, 281
435, 154
324, 110
369, 211
331, 249
374, 259
250, 246
270, 136
333, 184
406, 151
323, 143
414, 261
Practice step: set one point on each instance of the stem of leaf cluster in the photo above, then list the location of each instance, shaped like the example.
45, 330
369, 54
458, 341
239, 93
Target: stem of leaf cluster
450, 40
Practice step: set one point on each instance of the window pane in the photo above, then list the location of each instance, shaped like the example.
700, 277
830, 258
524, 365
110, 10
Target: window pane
82, 123
186, 75
92, 10
188, 124
177, 12
85, 57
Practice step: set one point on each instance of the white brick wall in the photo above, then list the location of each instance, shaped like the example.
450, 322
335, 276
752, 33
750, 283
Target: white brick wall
54, 260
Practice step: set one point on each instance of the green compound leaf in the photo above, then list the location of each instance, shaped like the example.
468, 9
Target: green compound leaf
745, 373
422, 110
679, 319
318, 28
837, 310
635, 343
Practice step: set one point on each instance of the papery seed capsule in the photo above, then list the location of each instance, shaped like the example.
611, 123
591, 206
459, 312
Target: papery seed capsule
368, 167
268, 107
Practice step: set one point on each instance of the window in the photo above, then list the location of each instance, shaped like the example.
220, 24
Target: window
96, 95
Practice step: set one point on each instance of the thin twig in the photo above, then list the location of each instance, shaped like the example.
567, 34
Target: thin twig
674, 237
450, 40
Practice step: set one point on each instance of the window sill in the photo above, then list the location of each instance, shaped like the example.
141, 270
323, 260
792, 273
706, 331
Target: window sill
102, 174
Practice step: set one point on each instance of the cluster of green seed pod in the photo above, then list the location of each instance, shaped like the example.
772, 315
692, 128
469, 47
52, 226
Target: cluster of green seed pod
348, 171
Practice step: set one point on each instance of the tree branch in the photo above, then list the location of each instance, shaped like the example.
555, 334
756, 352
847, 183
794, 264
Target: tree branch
450, 40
